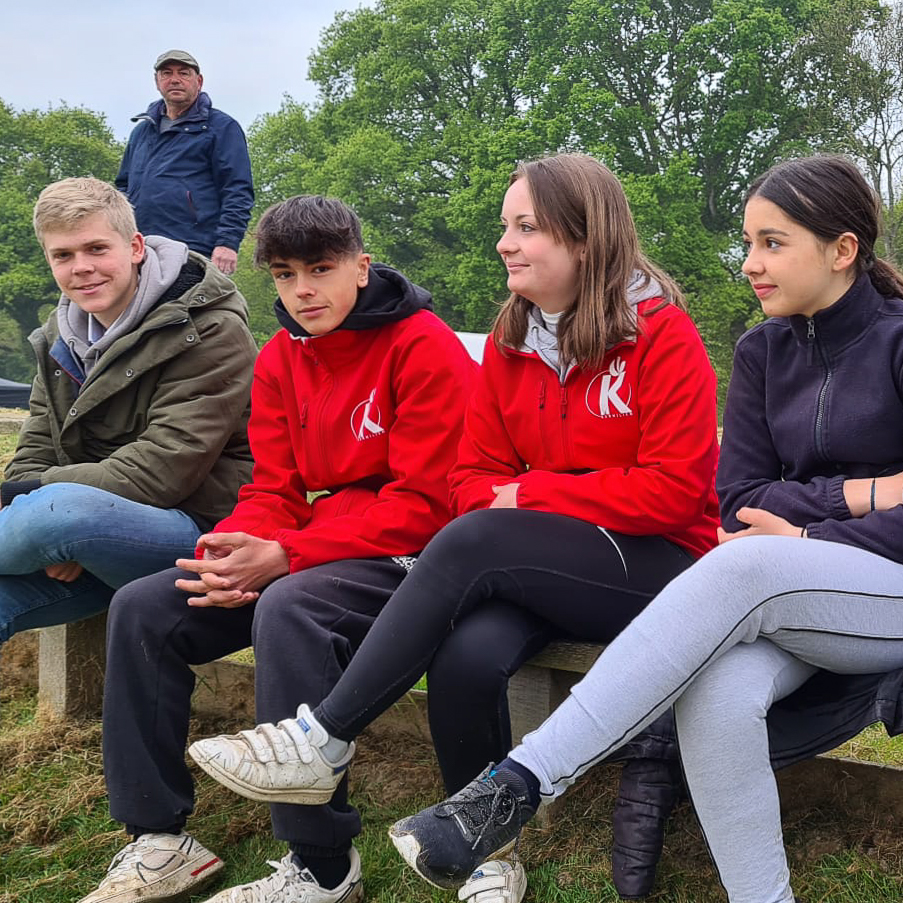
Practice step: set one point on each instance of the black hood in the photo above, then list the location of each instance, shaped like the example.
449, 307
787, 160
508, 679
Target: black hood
388, 297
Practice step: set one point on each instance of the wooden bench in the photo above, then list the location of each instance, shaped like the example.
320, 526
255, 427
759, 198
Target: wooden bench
70, 685
71, 662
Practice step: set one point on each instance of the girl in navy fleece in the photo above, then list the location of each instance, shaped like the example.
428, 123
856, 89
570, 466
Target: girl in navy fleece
808, 575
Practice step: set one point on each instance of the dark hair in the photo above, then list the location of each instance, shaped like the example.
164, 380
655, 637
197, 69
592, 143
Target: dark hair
828, 195
307, 227
581, 203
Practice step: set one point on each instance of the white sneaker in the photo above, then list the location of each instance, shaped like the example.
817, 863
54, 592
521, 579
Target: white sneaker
496, 881
289, 884
156, 867
274, 763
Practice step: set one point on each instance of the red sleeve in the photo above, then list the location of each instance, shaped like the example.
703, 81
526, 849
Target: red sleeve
431, 380
486, 455
668, 486
276, 497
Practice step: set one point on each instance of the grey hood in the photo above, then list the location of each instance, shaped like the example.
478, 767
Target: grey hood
541, 340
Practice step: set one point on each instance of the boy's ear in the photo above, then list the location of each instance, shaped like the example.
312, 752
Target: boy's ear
137, 248
363, 270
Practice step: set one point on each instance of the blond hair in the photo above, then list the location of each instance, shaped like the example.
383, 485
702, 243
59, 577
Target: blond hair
582, 204
63, 205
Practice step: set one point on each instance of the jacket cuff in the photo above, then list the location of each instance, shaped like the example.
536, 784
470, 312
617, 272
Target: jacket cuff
288, 540
814, 530
10, 489
839, 508
530, 495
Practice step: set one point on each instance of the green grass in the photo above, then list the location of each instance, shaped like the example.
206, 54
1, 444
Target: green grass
7, 447
56, 838
873, 745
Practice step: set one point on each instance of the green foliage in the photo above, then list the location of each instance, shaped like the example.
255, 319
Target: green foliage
15, 358
39, 147
668, 214
425, 108
866, 99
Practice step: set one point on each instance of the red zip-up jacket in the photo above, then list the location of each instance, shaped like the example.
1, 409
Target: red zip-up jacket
630, 446
373, 417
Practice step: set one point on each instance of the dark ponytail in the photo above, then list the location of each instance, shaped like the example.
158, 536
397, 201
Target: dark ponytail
886, 278
828, 195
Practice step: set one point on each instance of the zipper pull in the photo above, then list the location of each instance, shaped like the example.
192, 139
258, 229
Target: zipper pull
564, 403
542, 394
304, 415
810, 339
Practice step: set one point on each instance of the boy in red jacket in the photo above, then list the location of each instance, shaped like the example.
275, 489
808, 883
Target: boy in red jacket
360, 397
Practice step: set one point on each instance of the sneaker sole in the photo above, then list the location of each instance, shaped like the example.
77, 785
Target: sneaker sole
356, 895
409, 849
149, 895
311, 796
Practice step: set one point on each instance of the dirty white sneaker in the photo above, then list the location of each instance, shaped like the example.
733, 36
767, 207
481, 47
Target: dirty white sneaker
496, 881
274, 763
289, 884
156, 867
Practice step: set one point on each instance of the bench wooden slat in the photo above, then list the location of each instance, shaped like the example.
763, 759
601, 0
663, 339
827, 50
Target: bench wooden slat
567, 656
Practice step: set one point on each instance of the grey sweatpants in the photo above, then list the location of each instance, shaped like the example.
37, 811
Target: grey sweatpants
743, 627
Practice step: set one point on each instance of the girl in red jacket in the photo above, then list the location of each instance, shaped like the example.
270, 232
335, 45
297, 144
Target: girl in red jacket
584, 484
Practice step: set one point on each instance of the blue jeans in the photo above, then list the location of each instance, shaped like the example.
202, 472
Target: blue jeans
115, 540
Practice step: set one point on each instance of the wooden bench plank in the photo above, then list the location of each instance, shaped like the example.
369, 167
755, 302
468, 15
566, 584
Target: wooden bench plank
568, 656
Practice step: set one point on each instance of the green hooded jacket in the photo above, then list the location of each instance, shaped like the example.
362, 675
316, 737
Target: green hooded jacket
161, 418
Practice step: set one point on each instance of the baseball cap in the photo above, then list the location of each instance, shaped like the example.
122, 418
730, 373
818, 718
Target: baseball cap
178, 56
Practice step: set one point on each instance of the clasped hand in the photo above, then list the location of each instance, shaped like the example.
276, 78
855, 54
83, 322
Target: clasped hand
234, 568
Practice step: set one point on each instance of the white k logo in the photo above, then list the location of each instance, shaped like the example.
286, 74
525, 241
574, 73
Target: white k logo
608, 402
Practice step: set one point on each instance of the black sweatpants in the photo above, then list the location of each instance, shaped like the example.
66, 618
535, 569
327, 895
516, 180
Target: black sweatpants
488, 592
304, 628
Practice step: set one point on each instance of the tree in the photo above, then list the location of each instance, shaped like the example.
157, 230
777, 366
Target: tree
424, 109
39, 147
867, 101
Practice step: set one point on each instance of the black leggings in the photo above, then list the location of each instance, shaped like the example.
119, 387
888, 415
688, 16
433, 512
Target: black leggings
489, 591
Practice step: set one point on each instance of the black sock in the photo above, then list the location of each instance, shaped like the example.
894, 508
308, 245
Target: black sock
137, 830
511, 772
329, 871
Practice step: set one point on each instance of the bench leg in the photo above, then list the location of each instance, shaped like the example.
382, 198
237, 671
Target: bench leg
71, 662
533, 694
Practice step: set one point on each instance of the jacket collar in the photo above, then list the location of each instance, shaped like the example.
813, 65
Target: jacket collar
388, 297
199, 111
842, 324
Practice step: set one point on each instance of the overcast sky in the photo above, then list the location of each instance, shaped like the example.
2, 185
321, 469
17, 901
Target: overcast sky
100, 55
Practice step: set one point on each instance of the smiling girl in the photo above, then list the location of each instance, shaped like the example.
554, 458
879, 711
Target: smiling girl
584, 483
808, 575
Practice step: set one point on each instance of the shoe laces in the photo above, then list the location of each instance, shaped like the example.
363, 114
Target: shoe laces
286, 884
283, 742
481, 804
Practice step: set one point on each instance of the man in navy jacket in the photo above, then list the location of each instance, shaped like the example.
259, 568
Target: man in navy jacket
186, 168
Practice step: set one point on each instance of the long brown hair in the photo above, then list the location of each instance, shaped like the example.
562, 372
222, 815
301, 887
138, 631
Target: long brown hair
582, 203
